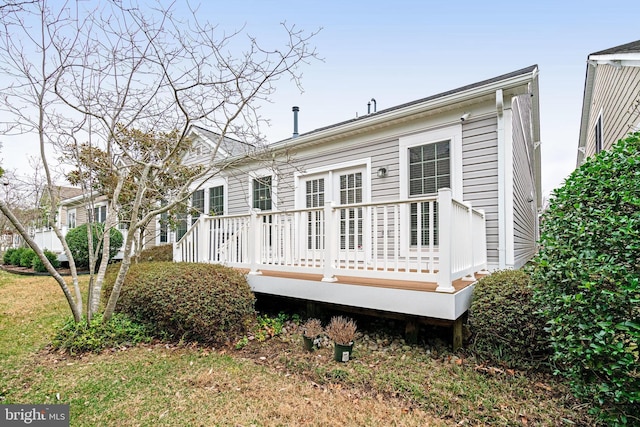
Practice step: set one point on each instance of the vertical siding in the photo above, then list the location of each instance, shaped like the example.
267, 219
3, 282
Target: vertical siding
480, 175
524, 191
616, 93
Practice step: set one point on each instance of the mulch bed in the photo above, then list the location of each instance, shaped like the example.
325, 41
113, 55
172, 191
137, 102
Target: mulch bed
24, 271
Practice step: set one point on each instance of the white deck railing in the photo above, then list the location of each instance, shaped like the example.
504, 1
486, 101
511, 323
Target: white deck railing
433, 239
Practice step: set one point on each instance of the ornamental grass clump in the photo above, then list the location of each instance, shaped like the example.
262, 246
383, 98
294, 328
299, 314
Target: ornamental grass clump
312, 328
341, 330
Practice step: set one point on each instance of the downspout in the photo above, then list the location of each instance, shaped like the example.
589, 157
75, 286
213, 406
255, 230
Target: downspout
505, 184
502, 241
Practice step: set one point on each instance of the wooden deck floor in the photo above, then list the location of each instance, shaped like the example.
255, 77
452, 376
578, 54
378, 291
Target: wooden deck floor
366, 281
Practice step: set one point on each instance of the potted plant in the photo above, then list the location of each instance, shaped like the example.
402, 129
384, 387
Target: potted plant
311, 331
342, 331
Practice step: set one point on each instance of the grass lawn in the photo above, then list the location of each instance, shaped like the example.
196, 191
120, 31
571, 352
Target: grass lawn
270, 383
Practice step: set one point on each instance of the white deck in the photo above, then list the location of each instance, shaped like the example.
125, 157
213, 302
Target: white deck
346, 251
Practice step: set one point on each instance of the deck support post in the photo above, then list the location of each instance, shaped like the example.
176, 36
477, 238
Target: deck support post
457, 333
330, 246
411, 330
444, 240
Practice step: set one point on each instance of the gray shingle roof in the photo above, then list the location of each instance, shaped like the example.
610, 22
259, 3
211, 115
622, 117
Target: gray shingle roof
522, 71
623, 48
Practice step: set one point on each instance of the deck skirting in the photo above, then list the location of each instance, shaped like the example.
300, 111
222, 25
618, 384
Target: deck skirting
424, 303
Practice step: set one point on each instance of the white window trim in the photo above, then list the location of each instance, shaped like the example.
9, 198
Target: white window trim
327, 172
599, 119
452, 133
218, 182
261, 173
75, 218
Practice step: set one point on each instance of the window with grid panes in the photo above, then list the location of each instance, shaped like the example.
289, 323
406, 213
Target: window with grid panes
262, 193
216, 200
429, 170
197, 205
314, 199
351, 218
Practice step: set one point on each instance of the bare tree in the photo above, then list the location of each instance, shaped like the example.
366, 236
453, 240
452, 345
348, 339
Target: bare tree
134, 82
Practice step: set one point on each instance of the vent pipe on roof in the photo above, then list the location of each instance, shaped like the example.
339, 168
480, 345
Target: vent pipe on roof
295, 121
375, 106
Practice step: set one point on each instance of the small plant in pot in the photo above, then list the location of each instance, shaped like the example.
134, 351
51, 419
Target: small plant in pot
342, 331
311, 333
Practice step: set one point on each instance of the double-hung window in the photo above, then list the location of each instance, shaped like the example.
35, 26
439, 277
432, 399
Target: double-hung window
262, 193
216, 200
429, 170
197, 205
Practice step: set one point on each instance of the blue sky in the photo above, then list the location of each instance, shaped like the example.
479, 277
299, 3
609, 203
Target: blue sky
404, 50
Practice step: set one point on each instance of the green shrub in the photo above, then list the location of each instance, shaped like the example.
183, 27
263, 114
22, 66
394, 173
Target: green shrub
200, 302
504, 321
14, 259
78, 242
6, 257
586, 277
38, 265
26, 258
157, 253
78, 337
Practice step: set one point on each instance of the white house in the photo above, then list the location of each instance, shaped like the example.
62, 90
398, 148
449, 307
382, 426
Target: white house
393, 211
611, 103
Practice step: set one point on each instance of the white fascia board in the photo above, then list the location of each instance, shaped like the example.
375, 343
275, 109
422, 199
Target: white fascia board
507, 85
627, 59
76, 199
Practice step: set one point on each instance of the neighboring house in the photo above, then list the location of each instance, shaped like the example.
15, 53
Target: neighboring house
394, 211
611, 103
72, 211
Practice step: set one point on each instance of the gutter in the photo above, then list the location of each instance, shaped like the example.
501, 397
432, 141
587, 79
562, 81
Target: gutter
507, 86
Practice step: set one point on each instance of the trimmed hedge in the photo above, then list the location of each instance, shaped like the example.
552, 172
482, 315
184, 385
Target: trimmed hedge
157, 253
198, 302
38, 265
78, 242
587, 279
14, 259
505, 323
26, 259
6, 257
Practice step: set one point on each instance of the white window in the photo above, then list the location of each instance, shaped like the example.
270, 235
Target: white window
197, 205
71, 219
598, 134
262, 195
314, 198
429, 171
98, 214
429, 161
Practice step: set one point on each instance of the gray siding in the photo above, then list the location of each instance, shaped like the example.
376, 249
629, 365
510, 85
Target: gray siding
616, 93
524, 193
480, 175
382, 154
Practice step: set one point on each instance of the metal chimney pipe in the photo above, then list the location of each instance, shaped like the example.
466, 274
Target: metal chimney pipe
295, 121
368, 108
375, 105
